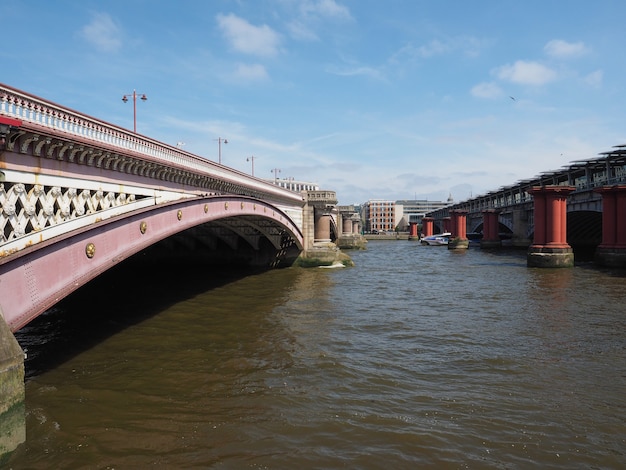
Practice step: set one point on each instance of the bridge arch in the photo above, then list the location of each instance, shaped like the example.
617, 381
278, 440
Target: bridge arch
257, 233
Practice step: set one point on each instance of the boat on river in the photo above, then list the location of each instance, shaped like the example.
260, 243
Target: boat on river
436, 240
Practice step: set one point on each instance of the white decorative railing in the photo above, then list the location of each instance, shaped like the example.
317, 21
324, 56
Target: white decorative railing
60, 120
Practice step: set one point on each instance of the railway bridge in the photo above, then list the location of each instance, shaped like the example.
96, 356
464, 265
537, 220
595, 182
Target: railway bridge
582, 205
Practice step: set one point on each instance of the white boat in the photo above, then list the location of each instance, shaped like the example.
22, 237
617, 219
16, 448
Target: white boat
434, 240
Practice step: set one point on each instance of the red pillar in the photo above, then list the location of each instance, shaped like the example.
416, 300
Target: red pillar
413, 229
458, 230
612, 251
551, 215
458, 227
427, 226
550, 248
490, 225
491, 229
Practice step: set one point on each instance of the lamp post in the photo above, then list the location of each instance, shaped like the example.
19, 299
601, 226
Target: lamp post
251, 159
125, 100
219, 148
275, 171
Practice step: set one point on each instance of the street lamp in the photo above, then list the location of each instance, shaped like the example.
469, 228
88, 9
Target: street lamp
251, 159
275, 171
125, 100
219, 148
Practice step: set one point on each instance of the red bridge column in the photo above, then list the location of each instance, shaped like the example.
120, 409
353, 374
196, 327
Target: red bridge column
427, 226
550, 248
612, 251
413, 235
458, 230
491, 232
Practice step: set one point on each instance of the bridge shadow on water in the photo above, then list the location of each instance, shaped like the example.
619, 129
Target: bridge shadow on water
123, 296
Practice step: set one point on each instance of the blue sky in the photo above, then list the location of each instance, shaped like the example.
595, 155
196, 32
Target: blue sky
374, 99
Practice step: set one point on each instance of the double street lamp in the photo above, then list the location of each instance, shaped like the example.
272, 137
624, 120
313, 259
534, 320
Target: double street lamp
134, 96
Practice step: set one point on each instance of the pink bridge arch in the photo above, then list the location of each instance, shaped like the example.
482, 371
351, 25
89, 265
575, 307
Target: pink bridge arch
38, 277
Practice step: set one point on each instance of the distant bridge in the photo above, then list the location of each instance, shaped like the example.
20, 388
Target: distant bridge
514, 203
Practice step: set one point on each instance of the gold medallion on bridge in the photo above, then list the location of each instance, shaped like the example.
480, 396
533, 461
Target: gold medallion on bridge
90, 250
179, 214
143, 226
242, 205
253, 207
206, 208
226, 205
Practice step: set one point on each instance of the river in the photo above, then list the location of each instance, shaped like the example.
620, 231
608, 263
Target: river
417, 357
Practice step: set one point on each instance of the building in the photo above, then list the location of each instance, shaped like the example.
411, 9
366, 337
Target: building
413, 211
384, 216
379, 216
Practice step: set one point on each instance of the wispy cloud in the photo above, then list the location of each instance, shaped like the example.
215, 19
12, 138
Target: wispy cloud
526, 73
249, 39
594, 79
325, 8
560, 49
468, 46
250, 72
301, 32
349, 71
103, 33
487, 90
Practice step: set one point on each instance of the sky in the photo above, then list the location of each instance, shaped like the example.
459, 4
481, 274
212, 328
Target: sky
373, 99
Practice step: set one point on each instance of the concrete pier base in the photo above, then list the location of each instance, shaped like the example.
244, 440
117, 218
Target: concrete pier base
550, 257
352, 242
610, 257
323, 254
12, 392
458, 244
490, 244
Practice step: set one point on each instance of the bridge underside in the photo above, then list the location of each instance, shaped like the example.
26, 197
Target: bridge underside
215, 231
584, 230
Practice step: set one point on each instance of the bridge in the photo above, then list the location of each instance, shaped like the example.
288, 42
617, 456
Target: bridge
79, 195
593, 186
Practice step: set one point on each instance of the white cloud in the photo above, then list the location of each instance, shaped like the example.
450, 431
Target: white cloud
253, 72
356, 70
486, 90
325, 8
594, 79
103, 33
247, 38
302, 32
563, 50
526, 73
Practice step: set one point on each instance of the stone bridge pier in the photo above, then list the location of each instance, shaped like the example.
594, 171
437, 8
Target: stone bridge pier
350, 237
321, 230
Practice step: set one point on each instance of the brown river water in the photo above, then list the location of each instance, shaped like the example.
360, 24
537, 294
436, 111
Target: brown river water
418, 357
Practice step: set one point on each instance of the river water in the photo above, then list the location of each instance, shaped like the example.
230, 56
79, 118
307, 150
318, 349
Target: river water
418, 357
